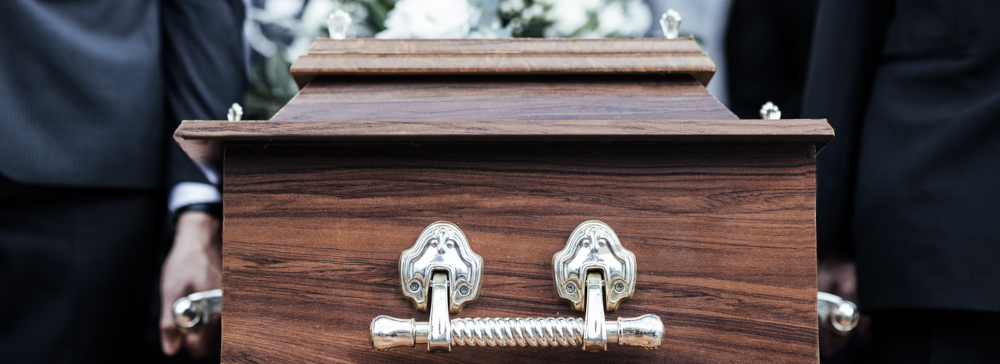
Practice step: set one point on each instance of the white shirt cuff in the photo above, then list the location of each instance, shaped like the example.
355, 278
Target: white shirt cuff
187, 193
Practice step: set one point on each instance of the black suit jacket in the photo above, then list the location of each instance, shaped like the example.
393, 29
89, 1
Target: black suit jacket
767, 54
91, 90
909, 187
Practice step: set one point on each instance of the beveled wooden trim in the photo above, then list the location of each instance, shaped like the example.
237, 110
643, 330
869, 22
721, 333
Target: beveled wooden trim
202, 140
503, 56
503, 98
736, 130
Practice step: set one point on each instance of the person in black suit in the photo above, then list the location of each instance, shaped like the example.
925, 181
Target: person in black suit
767, 53
90, 92
908, 191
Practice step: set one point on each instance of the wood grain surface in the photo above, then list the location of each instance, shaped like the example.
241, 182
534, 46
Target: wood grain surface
503, 56
557, 131
503, 98
202, 140
724, 235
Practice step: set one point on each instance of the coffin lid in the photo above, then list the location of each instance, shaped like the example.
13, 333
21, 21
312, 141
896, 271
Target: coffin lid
500, 91
328, 57
203, 140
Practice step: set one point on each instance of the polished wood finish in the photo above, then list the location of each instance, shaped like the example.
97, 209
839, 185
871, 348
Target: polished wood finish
724, 235
203, 140
640, 108
517, 142
814, 131
506, 98
503, 56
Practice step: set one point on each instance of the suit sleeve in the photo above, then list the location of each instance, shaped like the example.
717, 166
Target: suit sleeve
847, 44
204, 68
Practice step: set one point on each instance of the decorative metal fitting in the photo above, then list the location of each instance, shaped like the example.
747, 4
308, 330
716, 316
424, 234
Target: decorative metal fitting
235, 112
337, 23
442, 246
770, 111
836, 314
439, 253
594, 246
670, 23
195, 310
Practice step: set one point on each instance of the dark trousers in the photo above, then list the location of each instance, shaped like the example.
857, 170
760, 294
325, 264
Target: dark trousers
935, 336
77, 273
924, 337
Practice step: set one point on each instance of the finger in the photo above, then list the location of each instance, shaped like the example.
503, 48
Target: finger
170, 334
830, 343
205, 342
847, 282
170, 339
193, 345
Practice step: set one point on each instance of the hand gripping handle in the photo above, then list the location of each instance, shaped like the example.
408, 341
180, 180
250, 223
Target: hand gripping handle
195, 310
836, 314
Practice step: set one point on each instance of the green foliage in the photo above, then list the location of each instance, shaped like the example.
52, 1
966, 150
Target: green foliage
513, 15
378, 10
273, 87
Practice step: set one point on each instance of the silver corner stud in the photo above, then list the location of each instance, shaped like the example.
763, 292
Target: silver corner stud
670, 23
235, 112
337, 23
770, 111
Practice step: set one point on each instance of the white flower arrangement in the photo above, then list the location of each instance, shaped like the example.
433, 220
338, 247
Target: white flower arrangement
302, 21
279, 31
576, 18
428, 19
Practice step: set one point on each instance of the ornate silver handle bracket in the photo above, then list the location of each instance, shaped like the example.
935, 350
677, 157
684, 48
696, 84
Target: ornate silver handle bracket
195, 310
440, 333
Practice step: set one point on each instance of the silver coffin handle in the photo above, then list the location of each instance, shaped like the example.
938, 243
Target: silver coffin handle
442, 273
195, 310
593, 334
836, 314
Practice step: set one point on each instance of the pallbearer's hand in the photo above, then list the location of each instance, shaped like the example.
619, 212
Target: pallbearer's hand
838, 277
193, 265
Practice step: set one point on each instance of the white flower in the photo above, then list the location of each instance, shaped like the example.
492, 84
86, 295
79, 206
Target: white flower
627, 18
299, 47
568, 16
315, 14
532, 11
313, 19
641, 18
511, 6
612, 18
280, 9
591, 5
427, 19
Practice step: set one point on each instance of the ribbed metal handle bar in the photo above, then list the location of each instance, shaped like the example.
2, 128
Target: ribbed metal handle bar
440, 335
536, 331
389, 332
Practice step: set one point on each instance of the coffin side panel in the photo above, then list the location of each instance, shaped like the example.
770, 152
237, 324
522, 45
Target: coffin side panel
724, 235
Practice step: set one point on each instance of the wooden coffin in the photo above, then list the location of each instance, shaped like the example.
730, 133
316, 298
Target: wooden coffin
516, 142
